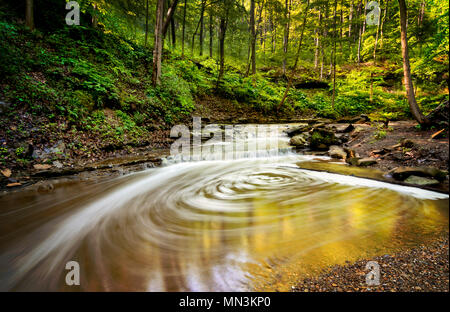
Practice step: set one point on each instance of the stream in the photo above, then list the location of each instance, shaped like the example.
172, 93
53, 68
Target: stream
256, 221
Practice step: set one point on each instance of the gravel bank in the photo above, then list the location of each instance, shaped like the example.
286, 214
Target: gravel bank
422, 269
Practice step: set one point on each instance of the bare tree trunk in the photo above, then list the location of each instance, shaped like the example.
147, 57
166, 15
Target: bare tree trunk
253, 34
29, 14
174, 32
184, 29
210, 34
94, 16
374, 56
157, 51
146, 24
222, 31
286, 35
169, 17
361, 35
334, 57
317, 33
415, 110
382, 23
202, 14
350, 18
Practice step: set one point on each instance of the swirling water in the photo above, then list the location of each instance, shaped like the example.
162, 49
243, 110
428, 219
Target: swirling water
252, 223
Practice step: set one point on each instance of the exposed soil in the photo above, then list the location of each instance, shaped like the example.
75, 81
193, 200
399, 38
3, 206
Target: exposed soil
422, 269
424, 152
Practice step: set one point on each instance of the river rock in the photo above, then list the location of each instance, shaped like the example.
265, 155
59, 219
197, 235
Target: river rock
300, 140
342, 137
44, 187
58, 164
367, 162
347, 129
322, 138
337, 152
298, 130
402, 173
421, 180
353, 161
361, 162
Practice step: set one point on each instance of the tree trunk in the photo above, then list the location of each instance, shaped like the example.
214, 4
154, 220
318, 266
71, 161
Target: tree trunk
334, 57
382, 24
157, 51
29, 15
94, 16
202, 14
286, 35
317, 42
174, 32
222, 31
170, 13
350, 18
184, 29
415, 110
361, 35
146, 24
253, 34
211, 31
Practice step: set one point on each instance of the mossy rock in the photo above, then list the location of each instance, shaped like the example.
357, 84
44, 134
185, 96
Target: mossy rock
321, 139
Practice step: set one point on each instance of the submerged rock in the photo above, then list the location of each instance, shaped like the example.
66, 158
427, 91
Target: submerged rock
421, 180
402, 173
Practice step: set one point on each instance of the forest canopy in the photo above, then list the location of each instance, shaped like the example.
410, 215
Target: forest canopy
328, 58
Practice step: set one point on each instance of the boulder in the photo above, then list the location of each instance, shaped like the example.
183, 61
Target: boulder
353, 161
421, 180
367, 162
337, 152
322, 138
343, 137
348, 129
402, 173
361, 162
297, 130
300, 140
